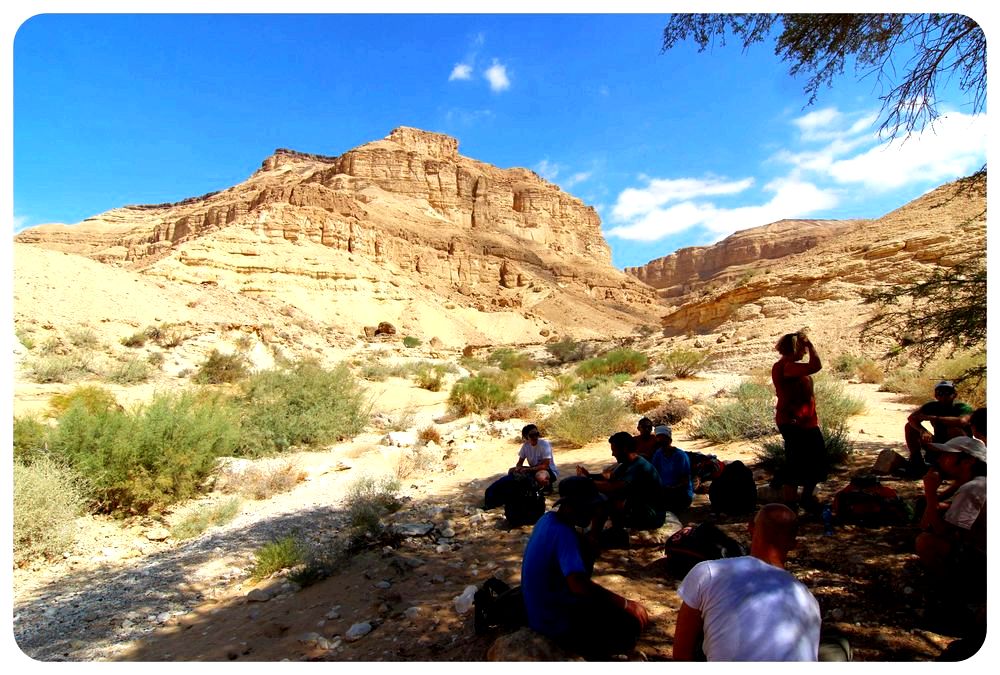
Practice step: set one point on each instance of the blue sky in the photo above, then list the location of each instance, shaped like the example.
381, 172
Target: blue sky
673, 149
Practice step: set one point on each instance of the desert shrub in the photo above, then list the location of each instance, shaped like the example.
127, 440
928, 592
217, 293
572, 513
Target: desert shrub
167, 335
368, 500
845, 364
684, 363
917, 387
870, 372
244, 342
206, 517
863, 368
509, 411
508, 359
409, 341
261, 481
83, 337
749, 415
566, 350
144, 460
833, 404
910, 383
429, 434
838, 446
135, 339
563, 386
59, 368
30, 439
477, 394
156, 359
93, 398
47, 499
305, 404
589, 384
278, 555
669, 413
401, 420
615, 362
25, 339
132, 371
221, 368
429, 376
588, 418
414, 460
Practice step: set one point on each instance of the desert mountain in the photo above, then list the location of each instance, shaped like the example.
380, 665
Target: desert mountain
402, 230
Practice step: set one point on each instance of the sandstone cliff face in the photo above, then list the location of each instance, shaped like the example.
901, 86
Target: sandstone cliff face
407, 209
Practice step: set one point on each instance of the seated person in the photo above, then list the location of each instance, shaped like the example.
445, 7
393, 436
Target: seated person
645, 441
633, 489
674, 468
953, 542
749, 608
560, 598
534, 462
949, 418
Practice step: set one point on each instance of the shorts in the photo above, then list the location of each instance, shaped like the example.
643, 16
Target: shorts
805, 456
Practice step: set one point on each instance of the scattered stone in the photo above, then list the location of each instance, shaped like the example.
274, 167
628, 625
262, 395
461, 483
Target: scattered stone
383, 584
413, 529
358, 631
527, 645
413, 612
447, 533
158, 534
310, 637
258, 595
334, 613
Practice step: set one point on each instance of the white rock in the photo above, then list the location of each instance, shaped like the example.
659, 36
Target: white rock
413, 612
383, 584
358, 631
334, 613
401, 439
447, 533
258, 595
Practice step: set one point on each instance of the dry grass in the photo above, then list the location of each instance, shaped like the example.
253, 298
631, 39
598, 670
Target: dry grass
260, 481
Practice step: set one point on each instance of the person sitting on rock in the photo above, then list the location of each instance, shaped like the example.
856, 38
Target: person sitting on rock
645, 441
633, 490
674, 468
949, 418
560, 598
749, 608
534, 462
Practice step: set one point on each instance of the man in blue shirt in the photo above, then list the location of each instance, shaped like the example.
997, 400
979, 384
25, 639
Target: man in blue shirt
674, 468
560, 598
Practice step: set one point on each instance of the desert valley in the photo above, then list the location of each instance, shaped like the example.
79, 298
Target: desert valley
413, 269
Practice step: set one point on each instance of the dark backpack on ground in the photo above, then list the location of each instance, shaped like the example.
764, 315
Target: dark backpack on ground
865, 501
691, 545
498, 605
525, 503
704, 469
734, 491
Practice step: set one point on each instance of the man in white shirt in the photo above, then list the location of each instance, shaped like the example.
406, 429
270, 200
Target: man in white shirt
749, 608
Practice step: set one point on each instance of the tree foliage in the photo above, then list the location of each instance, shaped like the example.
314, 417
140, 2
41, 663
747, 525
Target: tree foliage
944, 46
944, 311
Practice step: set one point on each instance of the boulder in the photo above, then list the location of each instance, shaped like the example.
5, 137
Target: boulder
526, 645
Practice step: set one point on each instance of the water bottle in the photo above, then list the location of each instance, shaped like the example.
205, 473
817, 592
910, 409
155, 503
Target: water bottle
827, 520
463, 602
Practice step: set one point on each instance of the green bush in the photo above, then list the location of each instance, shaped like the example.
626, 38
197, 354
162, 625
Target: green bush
305, 404
615, 362
749, 416
563, 386
135, 339
25, 339
684, 363
478, 394
587, 385
586, 419
409, 341
144, 460
221, 368
59, 368
566, 350
30, 439
429, 376
133, 371
917, 386
201, 520
83, 337
277, 555
368, 500
47, 499
838, 447
833, 404
669, 413
508, 359
93, 398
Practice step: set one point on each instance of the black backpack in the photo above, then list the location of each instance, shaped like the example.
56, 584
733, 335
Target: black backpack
734, 491
525, 503
498, 605
693, 544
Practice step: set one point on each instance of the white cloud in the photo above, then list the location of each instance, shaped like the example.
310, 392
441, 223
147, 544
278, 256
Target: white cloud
461, 71
468, 117
577, 178
497, 76
20, 223
547, 170
634, 202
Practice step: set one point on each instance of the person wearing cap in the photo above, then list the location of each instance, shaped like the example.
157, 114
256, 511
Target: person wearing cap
534, 462
645, 441
674, 468
561, 599
954, 533
633, 491
948, 418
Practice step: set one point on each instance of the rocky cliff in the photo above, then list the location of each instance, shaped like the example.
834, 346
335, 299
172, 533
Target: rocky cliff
384, 224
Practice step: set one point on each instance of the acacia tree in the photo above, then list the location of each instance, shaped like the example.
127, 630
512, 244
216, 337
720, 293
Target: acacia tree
822, 45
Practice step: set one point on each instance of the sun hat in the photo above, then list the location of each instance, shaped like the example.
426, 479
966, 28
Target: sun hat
663, 429
967, 444
945, 384
579, 490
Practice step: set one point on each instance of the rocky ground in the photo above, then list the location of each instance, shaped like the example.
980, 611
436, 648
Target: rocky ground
126, 593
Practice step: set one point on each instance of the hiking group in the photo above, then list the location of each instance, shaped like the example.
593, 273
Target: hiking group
736, 606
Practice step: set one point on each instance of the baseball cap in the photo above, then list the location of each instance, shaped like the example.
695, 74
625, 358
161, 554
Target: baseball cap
967, 444
579, 490
663, 429
945, 384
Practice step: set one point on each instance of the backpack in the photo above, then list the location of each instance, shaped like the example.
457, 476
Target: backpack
704, 469
525, 503
498, 605
693, 544
734, 491
865, 501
